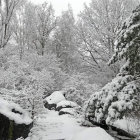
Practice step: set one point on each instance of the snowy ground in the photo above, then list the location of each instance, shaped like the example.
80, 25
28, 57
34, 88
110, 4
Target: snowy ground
129, 124
51, 126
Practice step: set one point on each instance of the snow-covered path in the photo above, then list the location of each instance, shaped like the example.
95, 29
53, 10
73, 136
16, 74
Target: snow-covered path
51, 126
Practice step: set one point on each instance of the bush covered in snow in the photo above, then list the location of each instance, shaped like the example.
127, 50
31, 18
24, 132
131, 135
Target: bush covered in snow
121, 96
78, 88
114, 100
25, 80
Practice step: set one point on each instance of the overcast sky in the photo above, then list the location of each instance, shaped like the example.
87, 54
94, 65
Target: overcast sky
61, 5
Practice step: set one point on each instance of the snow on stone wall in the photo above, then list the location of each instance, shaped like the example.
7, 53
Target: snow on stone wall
14, 112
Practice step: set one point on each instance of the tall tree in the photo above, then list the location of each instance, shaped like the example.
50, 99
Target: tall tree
121, 97
7, 8
46, 23
19, 27
34, 25
97, 28
65, 41
127, 44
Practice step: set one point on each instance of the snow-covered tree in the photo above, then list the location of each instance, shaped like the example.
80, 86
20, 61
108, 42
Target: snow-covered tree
127, 44
127, 48
64, 44
19, 26
97, 28
33, 25
120, 97
7, 8
45, 24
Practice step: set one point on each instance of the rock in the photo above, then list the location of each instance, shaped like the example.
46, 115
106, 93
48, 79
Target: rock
65, 104
50, 106
4, 127
51, 101
14, 121
61, 107
9, 130
102, 124
121, 132
63, 113
69, 111
21, 130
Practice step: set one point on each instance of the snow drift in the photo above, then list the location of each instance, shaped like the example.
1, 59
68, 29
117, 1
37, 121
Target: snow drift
95, 133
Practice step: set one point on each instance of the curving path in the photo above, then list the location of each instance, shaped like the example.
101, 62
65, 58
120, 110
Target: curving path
51, 126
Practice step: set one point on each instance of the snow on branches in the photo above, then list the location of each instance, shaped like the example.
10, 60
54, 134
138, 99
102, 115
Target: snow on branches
120, 97
127, 43
114, 100
25, 81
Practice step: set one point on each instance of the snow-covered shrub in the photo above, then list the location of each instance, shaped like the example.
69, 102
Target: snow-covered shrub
78, 89
114, 100
19, 80
25, 80
48, 65
133, 117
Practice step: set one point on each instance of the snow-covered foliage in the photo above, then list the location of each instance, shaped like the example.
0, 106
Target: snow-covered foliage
97, 28
78, 88
114, 100
127, 43
14, 112
121, 96
25, 80
55, 97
